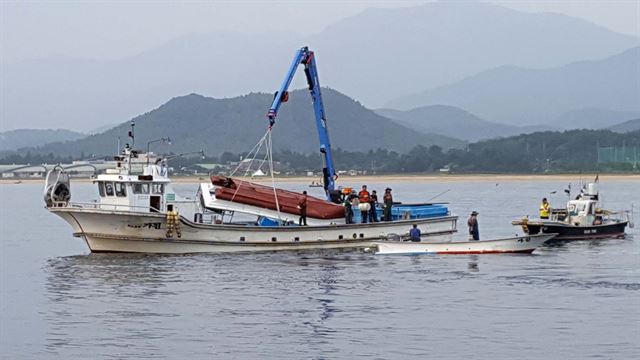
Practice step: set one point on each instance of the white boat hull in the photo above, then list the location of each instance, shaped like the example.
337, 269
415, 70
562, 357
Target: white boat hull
122, 231
522, 244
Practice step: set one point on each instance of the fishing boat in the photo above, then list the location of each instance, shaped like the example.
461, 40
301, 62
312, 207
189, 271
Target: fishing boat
581, 219
518, 244
141, 212
138, 209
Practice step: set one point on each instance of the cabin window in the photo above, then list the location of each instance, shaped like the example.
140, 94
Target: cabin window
140, 188
121, 189
108, 188
101, 188
157, 188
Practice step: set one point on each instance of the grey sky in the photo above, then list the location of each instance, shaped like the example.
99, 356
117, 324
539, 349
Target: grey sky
114, 29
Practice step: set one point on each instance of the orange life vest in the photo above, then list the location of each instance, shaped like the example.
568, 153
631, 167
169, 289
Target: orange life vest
364, 196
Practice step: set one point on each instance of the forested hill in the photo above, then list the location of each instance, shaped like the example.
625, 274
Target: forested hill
574, 150
542, 152
15, 139
195, 122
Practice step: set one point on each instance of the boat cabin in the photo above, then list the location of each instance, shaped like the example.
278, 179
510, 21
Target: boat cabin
137, 183
583, 211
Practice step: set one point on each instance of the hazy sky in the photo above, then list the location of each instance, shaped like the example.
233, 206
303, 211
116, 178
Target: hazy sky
114, 29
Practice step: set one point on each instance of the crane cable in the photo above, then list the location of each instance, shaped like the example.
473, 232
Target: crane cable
256, 148
265, 140
273, 180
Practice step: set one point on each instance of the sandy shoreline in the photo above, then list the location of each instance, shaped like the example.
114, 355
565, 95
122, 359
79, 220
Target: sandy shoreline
399, 178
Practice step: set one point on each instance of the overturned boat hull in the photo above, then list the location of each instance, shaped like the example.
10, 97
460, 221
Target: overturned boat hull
521, 244
265, 197
121, 231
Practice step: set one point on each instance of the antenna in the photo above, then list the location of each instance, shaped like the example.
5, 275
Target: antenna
132, 133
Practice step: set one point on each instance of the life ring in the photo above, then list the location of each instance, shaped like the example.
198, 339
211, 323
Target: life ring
571, 207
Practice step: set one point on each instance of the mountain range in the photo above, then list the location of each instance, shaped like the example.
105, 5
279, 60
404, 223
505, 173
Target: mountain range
593, 118
195, 122
15, 139
455, 122
519, 96
375, 56
627, 126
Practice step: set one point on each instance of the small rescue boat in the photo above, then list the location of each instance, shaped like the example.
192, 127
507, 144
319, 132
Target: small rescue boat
519, 244
581, 219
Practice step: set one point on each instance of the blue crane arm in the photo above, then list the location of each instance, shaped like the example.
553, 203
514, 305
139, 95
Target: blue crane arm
306, 57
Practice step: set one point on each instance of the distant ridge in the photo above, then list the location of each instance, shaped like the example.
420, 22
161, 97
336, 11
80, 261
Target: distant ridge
454, 122
15, 139
593, 118
627, 126
234, 125
519, 96
375, 56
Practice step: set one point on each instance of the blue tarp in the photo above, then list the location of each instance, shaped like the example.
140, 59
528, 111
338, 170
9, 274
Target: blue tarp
413, 211
397, 212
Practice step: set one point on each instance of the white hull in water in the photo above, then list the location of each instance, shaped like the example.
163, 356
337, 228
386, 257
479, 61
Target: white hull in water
521, 244
123, 231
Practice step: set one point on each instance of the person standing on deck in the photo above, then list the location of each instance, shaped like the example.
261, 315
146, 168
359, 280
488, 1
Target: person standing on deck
302, 205
388, 203
364, 206
474, 233
545, 209
373, 213
348, 209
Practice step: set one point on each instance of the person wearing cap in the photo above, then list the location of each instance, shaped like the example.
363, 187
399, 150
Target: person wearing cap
373, 201
388, 203
474, 233
302, 205
545, 209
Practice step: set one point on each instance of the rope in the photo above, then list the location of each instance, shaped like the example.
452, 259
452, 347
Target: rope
273, 180
265, 140
258, 145
257, 148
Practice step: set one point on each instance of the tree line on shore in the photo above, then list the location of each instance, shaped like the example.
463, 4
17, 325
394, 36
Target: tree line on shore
542, 152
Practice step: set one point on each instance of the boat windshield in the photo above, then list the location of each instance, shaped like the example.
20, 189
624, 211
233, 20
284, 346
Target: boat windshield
157, 188
140, 188
108, 188
121, 190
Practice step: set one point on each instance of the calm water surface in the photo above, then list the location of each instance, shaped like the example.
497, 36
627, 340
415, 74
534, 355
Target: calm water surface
574, 301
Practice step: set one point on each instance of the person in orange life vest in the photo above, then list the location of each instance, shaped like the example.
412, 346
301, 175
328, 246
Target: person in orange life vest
364, 206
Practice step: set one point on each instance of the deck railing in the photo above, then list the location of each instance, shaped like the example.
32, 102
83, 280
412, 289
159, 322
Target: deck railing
101, 206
